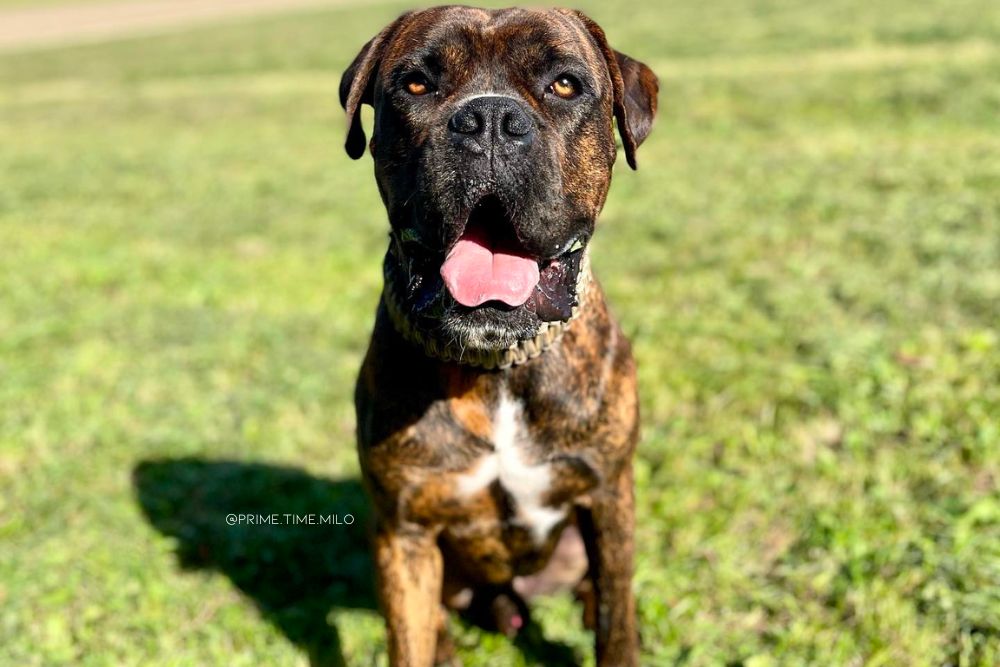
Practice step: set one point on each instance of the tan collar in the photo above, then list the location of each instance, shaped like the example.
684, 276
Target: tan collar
549, 333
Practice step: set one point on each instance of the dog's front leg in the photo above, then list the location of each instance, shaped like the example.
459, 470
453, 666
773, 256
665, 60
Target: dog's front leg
409, 582
607, 531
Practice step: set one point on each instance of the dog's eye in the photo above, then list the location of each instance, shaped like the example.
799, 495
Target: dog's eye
416, 84
565, 86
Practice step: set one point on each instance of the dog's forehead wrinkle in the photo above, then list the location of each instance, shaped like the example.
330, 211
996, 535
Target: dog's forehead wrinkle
488, 36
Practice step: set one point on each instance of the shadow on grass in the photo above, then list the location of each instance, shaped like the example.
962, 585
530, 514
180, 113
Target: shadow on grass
296, 574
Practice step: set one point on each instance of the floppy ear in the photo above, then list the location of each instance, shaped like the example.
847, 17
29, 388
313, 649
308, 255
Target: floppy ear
635, 88
357, 85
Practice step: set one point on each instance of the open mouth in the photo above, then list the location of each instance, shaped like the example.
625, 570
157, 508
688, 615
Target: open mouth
488, 265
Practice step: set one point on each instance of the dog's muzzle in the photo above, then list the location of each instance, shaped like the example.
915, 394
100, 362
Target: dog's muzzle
547, 336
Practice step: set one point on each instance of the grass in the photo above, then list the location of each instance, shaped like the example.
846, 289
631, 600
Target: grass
808, 262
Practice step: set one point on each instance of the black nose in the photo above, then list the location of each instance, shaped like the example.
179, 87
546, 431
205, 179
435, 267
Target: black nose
492, 120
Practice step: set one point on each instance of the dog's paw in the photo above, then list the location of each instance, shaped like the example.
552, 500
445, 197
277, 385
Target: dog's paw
509, 614
498, 609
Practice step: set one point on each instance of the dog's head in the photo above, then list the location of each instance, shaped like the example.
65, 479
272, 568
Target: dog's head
493, 145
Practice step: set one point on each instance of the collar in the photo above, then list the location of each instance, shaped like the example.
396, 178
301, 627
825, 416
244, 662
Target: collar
547, 336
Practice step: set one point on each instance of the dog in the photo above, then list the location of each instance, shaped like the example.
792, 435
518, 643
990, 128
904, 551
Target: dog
497, 412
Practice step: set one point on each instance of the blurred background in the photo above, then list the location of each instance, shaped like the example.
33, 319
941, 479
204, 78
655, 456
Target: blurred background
807, 261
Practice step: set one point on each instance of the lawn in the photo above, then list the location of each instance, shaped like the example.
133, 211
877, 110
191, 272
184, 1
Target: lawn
807, 260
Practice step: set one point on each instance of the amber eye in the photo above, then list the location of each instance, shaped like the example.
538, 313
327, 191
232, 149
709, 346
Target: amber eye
565, 87
417, 84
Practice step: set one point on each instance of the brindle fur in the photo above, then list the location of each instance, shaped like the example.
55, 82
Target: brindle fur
423, 423
414, 417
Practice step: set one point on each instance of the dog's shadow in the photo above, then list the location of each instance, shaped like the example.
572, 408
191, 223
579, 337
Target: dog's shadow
295, 574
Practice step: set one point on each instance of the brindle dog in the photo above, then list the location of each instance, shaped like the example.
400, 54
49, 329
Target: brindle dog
496, 408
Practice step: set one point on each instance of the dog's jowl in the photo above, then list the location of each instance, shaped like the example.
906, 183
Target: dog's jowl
496, 407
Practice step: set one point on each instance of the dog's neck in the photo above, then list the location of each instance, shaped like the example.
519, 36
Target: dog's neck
547, 336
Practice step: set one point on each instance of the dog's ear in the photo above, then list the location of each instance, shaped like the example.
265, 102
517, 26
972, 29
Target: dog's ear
638, 108
635, 89
357, 85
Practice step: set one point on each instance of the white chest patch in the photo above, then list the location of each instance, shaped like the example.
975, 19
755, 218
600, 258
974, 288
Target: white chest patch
525, 482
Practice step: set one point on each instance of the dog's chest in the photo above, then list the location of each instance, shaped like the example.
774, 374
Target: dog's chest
514, 466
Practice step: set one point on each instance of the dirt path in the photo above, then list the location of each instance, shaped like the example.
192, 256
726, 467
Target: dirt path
35, 27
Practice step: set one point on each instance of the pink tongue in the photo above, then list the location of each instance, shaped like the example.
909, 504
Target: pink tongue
475, 274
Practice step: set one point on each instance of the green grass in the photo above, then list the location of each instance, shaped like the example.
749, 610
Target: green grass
808, 262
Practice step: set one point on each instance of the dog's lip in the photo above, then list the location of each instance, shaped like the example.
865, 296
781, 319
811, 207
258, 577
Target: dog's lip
513, 240
412, 242
552, 299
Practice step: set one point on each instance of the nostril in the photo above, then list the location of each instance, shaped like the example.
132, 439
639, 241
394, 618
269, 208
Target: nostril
466, 121
516, 124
